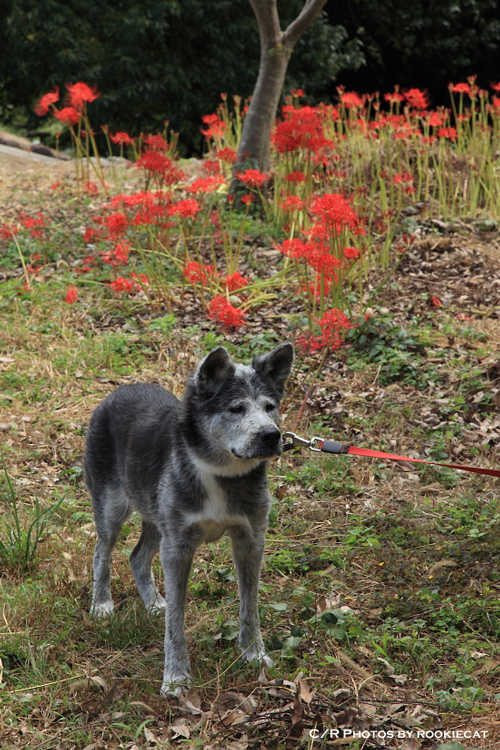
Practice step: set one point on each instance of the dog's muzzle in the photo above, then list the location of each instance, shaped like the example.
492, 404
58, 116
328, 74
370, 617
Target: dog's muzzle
266, 444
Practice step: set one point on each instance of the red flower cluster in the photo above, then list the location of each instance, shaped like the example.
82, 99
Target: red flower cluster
300, 130
186, 209
71, 295
197, 273
121, 139
221, 311
333, 326
121, 284
43, 106
335, 212
235, 281
252, 177
206, 184
215, 126
33, 223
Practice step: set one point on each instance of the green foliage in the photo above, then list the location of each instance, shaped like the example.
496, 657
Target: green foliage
396, 350
19, 539
154, 60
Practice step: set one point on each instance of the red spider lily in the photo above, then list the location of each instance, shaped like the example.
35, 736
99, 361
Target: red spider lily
351, 253
296, 177
197, 273
292, 203
320, 287
117, 224
90, 235
437, 119
297, 92
32, 223
211, 166
460, 88
71, 295
121, 139
496, 103
495, 86
301, 129
335, 211
417, 99
227, 155
206, 184
252, 177
87, 266
402, 177
156, 142
294, 248
351, 100
43, 106
141, 277
247, 199
186, 209
319, 258
450, 133
80, 94
7, 232
333, 324
221, 311
118, 256
67, 115
154, 162
121, 251
91, 188
120, 284
215, 127
436, 302
235, 281
395, 97
32, 268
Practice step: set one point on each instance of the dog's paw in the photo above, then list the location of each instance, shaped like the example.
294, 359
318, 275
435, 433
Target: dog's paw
174, 685
257, 653
102, 609
158, 607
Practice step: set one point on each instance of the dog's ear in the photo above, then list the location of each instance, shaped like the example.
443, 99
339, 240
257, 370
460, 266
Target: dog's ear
277, 365
214, 369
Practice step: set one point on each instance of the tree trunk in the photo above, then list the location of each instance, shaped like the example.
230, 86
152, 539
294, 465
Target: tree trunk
276, 48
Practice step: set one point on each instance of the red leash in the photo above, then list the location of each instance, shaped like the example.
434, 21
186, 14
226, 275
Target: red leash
330, 446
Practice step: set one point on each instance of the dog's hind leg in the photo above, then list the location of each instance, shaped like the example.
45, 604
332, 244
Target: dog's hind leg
110, 512
140, 562
248, 551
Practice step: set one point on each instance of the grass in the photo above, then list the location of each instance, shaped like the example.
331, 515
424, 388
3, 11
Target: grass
380, 590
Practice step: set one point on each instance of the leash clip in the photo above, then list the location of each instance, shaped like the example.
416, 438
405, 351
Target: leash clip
297, 441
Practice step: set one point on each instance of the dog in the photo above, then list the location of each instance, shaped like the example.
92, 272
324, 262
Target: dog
193, 469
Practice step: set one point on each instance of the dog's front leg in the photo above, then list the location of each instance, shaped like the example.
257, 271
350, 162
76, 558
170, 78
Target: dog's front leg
176, 558
248, 551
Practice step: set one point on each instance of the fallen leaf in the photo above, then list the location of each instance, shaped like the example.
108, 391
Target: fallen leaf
148, 734
297, 710
305, 693
180, 729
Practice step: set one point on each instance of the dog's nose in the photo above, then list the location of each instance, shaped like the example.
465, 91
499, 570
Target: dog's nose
269, 438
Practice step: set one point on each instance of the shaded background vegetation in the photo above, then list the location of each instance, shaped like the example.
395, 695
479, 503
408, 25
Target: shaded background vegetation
165, 59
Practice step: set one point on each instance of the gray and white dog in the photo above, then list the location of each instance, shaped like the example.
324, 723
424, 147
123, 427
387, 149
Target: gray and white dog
193, 469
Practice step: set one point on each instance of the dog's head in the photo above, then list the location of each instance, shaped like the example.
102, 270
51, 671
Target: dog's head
233, 409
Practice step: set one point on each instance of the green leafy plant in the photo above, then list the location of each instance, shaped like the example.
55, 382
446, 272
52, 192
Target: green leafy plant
19, 540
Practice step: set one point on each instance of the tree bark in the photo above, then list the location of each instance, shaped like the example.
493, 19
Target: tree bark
276, 48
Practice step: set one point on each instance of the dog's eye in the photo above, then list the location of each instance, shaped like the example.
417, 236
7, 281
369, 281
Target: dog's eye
270, 406
237, 409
